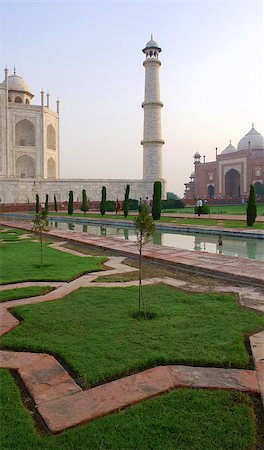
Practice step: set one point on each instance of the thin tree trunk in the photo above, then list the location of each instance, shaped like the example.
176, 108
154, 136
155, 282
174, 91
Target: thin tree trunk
41, 259
140, 275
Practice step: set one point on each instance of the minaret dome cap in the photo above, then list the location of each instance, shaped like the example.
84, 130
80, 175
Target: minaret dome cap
151, 45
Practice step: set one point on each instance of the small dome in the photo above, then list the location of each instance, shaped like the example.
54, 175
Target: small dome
252, 139
197, 155
192, 175
152, 44
16, 83
229, 149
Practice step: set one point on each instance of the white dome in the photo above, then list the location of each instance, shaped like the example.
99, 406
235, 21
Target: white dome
229, 149
152, 44
16, 83
253, 139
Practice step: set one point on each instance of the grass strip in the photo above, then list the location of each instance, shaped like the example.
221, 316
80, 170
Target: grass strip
32, 291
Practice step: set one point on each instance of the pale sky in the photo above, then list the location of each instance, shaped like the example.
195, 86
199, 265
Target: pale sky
88, 53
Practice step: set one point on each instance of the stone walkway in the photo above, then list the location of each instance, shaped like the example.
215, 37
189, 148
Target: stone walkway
63, 404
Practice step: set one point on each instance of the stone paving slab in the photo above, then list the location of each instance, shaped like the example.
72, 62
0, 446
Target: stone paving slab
47, 380
83, 407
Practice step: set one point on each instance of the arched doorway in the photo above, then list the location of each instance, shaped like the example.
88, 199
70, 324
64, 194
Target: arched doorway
51, 172
210, 191
25, 167
258, 188
25, 133
232, 184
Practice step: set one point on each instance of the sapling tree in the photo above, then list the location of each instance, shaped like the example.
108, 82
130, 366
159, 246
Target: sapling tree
251, 207
40, 225
144, 229
103, 201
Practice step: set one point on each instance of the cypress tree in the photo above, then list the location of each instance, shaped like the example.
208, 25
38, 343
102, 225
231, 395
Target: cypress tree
103, 201
125, 203
156, 203
37, 203
47, 203
84, 201
55, 204
70, 203
251, 207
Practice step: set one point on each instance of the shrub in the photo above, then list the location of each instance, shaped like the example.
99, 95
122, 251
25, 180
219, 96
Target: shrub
103, 201
125, 202
172, 204
70, 203
156, 203
110, 205
204, 209
37, 203
132, 204
251, 207
47, 203
55, 204
84, 206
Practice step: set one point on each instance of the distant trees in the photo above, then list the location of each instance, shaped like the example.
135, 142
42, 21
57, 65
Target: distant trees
37, 203
70, 203
103, 201
125, 203
84, 206
251, 207
156, 203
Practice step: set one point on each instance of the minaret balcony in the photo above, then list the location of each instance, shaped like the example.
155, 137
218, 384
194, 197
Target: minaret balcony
152, 141
150, 104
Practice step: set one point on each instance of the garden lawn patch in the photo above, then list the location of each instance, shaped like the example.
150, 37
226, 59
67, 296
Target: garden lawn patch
21, 262
11, 235
185, 419
32, 291
92, 332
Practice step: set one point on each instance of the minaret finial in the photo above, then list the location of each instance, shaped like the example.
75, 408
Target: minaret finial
252, 124
151, 37
14, 70
230, 142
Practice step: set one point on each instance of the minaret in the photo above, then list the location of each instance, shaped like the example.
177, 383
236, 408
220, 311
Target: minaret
152, 139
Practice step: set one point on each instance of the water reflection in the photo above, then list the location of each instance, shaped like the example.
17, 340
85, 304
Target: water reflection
243, 248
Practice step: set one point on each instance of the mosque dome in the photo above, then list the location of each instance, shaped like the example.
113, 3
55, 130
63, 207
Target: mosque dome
252, 139
229, 149
16, 83
197, 155
192, 175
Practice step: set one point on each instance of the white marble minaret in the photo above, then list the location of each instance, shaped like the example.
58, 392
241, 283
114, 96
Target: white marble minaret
152, 139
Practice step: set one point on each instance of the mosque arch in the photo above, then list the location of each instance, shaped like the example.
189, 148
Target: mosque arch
18, 99
25, 133
51, 137
9, 99
51, 168
258, 188
27, 101
232, 184
25, 167
210, 191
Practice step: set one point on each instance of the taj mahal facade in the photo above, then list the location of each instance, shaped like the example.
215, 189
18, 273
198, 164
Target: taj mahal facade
30, 144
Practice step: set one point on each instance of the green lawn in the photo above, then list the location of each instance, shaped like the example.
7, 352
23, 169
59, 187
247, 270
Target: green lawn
13, 294
221, 209
185, 419
20, 261
104, 342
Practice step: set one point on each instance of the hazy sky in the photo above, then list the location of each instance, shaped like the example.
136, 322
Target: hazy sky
89, 54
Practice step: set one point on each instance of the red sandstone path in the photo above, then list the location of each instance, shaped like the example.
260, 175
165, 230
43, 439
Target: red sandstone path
63, 404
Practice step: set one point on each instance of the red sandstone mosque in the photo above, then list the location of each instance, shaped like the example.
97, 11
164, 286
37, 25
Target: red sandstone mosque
230, 175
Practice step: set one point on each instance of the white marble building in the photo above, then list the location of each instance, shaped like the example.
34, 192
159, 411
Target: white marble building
30, 144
